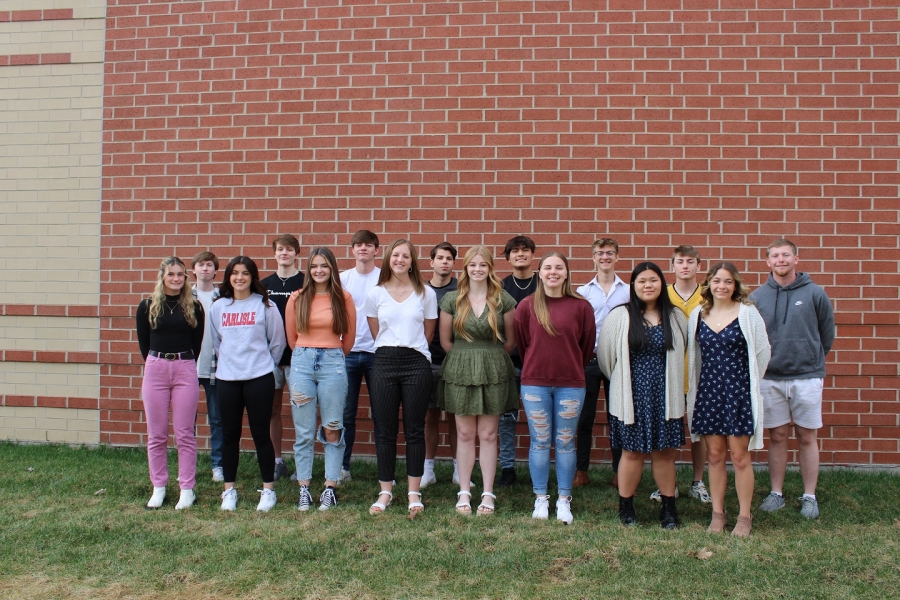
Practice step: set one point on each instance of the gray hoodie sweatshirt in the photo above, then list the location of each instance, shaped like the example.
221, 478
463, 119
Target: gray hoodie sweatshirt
800, 324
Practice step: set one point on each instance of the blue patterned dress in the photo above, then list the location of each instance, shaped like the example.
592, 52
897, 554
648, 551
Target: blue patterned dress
723, 395
650, 430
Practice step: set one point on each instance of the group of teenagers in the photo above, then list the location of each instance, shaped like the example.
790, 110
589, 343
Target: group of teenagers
710, 355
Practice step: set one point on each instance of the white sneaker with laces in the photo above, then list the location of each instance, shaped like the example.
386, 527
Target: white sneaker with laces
156, 500
229, 499
187, 499
266, 500
564, 510
345, 477
698, 490
218, 474
427, 479
541, 508
657, 497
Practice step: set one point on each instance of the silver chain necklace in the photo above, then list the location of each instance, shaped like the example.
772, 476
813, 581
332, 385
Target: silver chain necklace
527, 285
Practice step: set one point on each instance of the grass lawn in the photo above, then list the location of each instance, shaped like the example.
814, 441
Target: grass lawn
63, 538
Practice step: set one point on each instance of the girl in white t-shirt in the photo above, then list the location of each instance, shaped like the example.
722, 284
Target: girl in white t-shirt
402, 313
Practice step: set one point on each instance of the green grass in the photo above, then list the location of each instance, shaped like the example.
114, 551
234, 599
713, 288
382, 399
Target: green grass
59, 538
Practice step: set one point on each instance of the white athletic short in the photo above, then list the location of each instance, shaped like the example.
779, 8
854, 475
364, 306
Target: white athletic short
799, 400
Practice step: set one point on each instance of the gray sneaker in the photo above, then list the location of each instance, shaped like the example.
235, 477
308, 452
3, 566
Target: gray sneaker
772, 503
281, 470
810, 508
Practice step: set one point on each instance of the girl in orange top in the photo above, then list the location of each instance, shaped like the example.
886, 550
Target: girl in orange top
321, 329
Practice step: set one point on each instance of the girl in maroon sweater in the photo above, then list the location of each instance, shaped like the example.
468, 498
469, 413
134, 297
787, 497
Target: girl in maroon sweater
555, 333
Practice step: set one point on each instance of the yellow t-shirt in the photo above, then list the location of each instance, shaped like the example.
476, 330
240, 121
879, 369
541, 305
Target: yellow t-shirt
687, 307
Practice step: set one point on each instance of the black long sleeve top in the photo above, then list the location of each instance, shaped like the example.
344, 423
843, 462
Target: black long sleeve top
172, 332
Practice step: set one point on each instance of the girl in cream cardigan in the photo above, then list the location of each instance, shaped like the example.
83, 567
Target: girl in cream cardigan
728, 352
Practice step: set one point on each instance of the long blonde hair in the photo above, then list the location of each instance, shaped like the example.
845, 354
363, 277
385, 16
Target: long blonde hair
340, 321
741, 291
541, 310
493, 299
158, 297
415, 275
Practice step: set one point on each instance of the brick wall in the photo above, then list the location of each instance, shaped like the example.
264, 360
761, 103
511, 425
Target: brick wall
720, 123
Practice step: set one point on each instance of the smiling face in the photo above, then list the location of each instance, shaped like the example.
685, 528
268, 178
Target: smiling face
685, 267
173, 280
319, 270
241, 280
364, 253
401, 259
722, 285
521, 257
782, 261
442, 263
553, 274
285, 256
477, 268
605, 258
648, 286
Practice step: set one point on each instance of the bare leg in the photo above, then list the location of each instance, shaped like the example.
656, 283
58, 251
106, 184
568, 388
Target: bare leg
809, 458
467, 428
743, 472
451, 437
662, 462
488, 430
630, 469
778, 447
717, 448
698, 458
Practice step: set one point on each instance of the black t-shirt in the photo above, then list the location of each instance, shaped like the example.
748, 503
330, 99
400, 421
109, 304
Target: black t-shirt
519, 289
280, 289
172, 332
437, 352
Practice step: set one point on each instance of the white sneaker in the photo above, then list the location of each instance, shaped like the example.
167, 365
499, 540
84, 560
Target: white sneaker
564, 510
427, 479
455, 480
218, 474
345, 477
541, 508
229, 499
657, 497
186, 500
156, 500
266, 500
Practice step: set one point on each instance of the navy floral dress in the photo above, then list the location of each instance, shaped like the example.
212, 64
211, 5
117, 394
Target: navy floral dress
650, 430
723, 395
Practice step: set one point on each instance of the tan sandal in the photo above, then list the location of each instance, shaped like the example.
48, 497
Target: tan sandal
486, 509
379, 507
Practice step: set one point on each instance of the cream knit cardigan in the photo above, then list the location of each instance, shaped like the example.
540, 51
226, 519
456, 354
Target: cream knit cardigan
614, 360
754, 329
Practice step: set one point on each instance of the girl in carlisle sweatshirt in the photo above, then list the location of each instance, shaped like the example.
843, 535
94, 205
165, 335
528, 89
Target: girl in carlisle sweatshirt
248, 337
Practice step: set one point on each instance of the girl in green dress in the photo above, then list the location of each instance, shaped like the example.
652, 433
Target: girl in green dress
477, 377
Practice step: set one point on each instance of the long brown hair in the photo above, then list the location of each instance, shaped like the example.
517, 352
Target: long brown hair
541, 310
415, 275
741, 292
494, 294
158, 297
340, 322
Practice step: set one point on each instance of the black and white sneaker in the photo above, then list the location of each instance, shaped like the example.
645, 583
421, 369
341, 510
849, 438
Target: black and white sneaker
328, 499
305, 501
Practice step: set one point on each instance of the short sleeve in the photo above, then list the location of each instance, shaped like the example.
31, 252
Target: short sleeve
448, 302
430, 304
370, 309
507, 302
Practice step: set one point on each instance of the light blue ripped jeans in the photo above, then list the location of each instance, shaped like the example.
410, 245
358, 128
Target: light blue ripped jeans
318, 377
552, 413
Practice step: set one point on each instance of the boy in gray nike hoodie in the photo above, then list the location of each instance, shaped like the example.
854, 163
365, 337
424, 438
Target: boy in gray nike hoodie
800, 324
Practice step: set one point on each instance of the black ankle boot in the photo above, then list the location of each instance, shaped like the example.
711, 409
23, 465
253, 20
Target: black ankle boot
668, 516
626, 511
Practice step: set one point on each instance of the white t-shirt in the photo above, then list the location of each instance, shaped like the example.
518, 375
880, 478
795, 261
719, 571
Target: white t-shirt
402, 323
359, 285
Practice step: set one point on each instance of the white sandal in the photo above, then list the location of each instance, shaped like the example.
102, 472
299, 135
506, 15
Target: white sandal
487, 509
415, 507
380, 507
464, 507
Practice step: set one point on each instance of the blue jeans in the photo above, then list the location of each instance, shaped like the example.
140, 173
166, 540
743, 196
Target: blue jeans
552, 413
318, 376
358, 364
507, 435
214, 418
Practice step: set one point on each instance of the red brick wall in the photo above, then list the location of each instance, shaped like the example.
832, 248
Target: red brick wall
720, 123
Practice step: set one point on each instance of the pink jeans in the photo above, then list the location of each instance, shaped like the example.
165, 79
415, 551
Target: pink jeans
171, 382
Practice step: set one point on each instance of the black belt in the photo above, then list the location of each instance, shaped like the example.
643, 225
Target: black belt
173, 355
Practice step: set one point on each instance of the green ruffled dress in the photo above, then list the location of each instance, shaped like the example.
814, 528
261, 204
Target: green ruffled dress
477, 377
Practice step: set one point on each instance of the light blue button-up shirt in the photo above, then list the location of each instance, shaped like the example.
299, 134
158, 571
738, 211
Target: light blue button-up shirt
603, 303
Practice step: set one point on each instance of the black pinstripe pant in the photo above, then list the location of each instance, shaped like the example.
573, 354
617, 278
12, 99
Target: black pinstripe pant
400, 377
